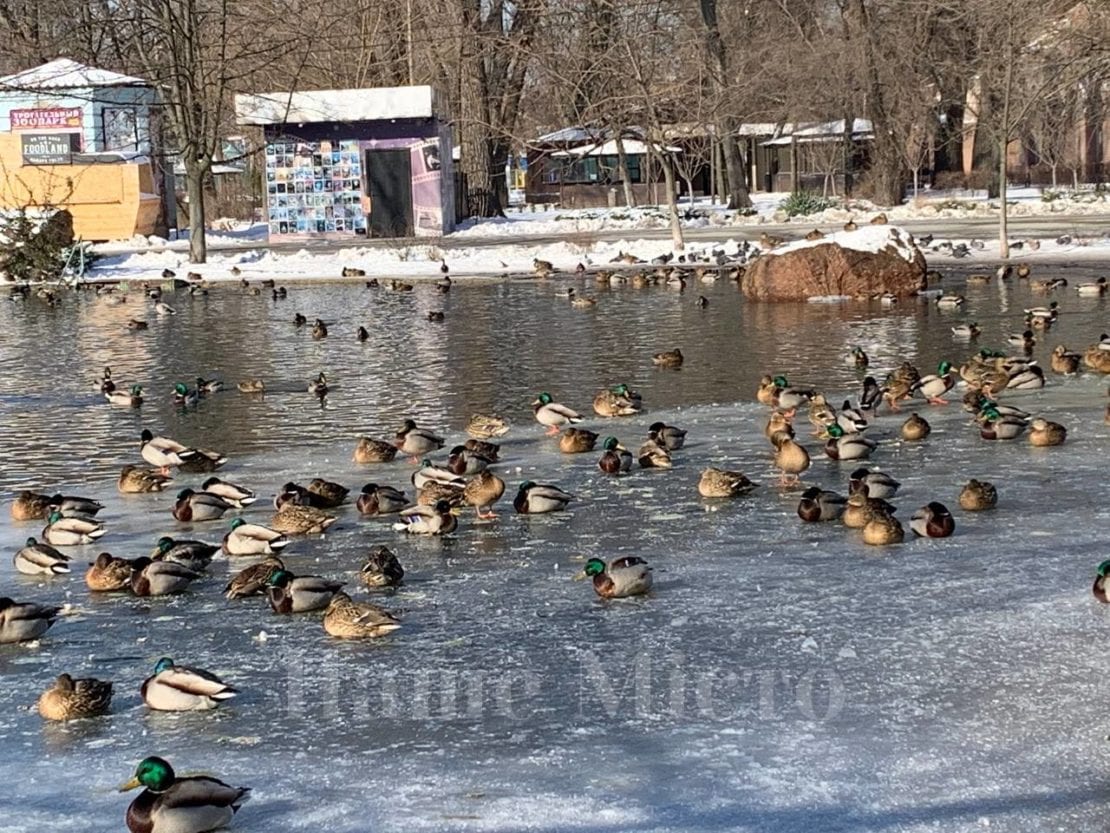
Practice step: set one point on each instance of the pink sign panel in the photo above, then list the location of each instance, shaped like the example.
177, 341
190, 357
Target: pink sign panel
47, 118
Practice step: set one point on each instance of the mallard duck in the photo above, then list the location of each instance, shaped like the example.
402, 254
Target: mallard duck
108, 574
252, 539
995, 426
178, 688
205, 387
1092, 289
300, 594
617, 459
1044, 433
182, 395
482, 491
299, 320
319, 386
236, 495
204, 461
653, 456
873, 483
870, 395
70, 699
716, 483
160, 578
162, 452
362, 334
668, 358
374, 451
617, 401
345, 618
950, 301
669, 437
842, 446
134, 480
462, 461
332, 494
105, 384
301, 520
31, 506
36, 559
433, 492
1025, 340
1052, 312
485, 426
765, 393
577, 441
428, 473
537, 498
319, 329
978, 279
196, 555
1065, 362
915, 428
24, 621
1100, 586
382, 569
1097, 358
791, 458
883, 529
72, 506
180, 805
934, 386
71, 532
416, 442
978, 495
817, 504
860, 509
552, 414
252, 386
789, 398
858, 358
252, 580
851, 420
932, 521
779, 425
967, 332
132, 398
137, 324
821, 414
620, 578
380, 500
196, 507
437, 519
490, 451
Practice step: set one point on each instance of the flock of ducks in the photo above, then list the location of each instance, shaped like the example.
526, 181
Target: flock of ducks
171, 803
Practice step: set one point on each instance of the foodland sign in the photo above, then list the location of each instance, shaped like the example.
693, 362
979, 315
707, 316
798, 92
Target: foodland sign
48, 118
47, 148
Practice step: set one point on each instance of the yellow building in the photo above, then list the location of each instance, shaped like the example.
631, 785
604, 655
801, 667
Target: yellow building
80, 138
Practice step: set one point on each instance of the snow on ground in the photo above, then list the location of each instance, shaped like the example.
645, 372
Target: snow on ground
864, 239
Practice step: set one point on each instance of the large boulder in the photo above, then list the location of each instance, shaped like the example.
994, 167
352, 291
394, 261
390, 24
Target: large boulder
860, 263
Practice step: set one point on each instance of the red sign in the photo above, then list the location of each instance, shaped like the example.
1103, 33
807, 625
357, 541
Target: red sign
57, 118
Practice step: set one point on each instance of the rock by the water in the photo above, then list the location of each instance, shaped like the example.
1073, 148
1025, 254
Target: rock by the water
867, 261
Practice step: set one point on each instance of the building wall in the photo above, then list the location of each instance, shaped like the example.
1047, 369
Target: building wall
92, 103
107, 201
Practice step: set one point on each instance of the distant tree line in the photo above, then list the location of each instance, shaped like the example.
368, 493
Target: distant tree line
921, 71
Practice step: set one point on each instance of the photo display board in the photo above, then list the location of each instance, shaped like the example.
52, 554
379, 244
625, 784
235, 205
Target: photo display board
314, 187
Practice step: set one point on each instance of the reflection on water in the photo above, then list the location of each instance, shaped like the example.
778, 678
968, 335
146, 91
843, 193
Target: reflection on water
741, 587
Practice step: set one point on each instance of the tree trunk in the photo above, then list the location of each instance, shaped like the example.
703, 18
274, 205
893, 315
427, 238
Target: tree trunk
738, 196
795, 174
1054, 177
622, 163
1003, 219
677, 239
194, 189
722, 187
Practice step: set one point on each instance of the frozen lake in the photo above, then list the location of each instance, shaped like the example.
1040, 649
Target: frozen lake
781, 677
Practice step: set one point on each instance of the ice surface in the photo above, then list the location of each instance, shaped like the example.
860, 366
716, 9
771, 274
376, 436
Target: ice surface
781, 677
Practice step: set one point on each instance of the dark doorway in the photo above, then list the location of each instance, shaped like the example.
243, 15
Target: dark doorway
389, 173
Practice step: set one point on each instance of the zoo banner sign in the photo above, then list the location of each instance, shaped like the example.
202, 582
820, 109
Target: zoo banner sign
49, 118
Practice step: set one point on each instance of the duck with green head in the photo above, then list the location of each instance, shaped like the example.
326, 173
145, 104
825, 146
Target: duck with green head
252, 539
299, 594
617, 459
935, 385
617, 401
620, 578
1101, 582
132, 398
182, 395
178, 688
71, 532
550, 413
172, 804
